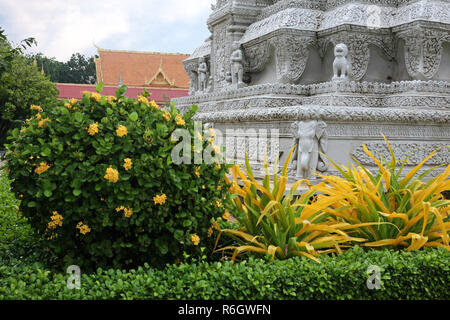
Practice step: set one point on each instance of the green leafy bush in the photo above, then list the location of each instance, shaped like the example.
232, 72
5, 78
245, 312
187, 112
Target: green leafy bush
420, 275
98, 183
17, 239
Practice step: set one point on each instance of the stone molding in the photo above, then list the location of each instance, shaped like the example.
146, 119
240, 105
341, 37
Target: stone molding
415, 152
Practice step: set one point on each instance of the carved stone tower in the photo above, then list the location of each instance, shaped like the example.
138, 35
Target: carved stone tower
360, 68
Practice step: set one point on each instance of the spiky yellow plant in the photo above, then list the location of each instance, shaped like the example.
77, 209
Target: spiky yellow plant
411, 213
278, 224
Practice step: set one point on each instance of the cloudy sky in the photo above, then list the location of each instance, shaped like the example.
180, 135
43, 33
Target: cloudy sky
63, 27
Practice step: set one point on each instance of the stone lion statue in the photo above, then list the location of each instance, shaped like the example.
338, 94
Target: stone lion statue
341, 65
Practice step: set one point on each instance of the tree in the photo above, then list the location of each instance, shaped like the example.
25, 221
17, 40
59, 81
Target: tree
21, 85
7, 52
79, 69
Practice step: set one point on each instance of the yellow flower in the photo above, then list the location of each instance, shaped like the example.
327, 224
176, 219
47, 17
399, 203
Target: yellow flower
179, 120
218, 203
43, 166
212, 132
96, 96
38, 108
226, 215
199, 135
38, 116
166, 115
27, 120
216, 149
112, 175
43, 123
86, 92
122, 131
68, 106
128, 212
197, 172
73, 101
219, 187
83, 228
110, 99
128, 164
93, 129
56, 220
203, 187
154, 104
210, 232
160, 199
143, 100
195, 239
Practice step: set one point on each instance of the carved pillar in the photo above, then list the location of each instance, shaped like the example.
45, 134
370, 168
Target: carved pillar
423, 51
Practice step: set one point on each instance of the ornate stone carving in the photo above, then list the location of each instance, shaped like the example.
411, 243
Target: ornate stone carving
423, 51
257, 56
415, 152
311, 140
292, 53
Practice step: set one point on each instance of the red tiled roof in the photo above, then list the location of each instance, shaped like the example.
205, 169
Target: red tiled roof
137, 69
160, 95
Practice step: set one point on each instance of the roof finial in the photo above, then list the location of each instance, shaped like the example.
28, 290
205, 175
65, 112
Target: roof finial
42, 69
35, 62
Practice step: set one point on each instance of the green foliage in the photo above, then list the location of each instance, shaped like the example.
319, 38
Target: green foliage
7, 53
91, 173
17, 239
21, 86
412, 213
78, 69
273, 223
416, 275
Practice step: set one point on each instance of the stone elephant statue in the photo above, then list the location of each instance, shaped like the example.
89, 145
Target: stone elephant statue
311, 141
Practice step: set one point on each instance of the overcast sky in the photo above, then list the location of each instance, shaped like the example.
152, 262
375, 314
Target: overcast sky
63, 27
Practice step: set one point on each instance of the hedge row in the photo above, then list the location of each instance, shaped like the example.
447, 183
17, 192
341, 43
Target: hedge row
404, 275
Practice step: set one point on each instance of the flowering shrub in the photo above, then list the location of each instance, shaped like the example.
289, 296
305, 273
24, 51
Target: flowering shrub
97, 181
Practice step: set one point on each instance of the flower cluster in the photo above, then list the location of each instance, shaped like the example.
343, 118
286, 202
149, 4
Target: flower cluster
197, 172
112, 175
56, 220
166, 115
143, 100
35, 107
127, 164
179, 120
121, 131
127, 212
93, 129
43, 123
83, 228
43, 166
153, 104
160, 199
195, 239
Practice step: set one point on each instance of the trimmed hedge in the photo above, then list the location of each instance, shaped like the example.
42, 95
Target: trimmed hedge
404, 275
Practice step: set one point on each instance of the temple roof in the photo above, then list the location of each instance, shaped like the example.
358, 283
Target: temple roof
141, 69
